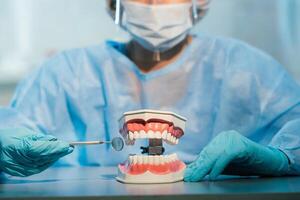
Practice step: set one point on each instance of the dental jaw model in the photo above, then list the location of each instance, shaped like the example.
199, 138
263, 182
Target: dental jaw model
152, 166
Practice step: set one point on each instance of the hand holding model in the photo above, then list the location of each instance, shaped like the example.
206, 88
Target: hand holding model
24, 152
236, 154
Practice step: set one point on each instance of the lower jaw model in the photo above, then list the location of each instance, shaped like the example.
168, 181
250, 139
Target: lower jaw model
152, 167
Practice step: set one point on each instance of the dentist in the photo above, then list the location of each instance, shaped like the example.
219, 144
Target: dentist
243, 107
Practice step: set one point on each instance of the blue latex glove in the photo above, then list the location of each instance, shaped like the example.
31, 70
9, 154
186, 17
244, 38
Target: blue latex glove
236, 154
24, 153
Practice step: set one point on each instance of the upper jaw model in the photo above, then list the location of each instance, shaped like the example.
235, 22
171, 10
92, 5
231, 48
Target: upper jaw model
153, 167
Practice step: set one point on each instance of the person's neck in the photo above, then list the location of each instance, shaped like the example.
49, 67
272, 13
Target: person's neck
148, 61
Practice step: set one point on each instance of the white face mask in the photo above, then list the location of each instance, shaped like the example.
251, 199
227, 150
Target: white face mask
157, 27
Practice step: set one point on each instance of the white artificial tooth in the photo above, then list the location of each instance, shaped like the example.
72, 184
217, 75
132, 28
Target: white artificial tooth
130, 159
131, 135
167, 158
174, 140
177, 141
145, 159
156, 160
161, 160
140, 159
169, 137
150, 134
171, 158
174, 157
136, 135
157, 135
143, 134
164, 134
151, 160
135, 159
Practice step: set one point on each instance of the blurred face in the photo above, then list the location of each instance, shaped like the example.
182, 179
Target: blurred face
159, 1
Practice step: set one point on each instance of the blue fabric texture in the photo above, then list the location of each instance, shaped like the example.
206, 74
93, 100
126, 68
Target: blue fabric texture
219, 84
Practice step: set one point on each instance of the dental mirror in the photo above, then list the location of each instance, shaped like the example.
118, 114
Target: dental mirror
117, 143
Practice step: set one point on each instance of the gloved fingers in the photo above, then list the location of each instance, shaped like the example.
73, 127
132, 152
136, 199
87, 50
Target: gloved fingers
39, 152
193, 165
42, 160
189, 170
15, 169
202, 167
190, 173
197, 174
41, 167
38, 149
219, 166
42, 137
21, 171
22, 168
20, 165
30, 145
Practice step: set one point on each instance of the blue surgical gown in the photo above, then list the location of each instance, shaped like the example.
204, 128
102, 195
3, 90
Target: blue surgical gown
218, 84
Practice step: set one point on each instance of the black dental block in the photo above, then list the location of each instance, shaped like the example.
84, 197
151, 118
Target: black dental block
155, 147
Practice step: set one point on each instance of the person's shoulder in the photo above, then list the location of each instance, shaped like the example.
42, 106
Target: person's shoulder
237, 57
227, 43
222, 42
67, 67
218, 47
65, 70
99, 50
90, 56
241, 54
89, 51
75, 61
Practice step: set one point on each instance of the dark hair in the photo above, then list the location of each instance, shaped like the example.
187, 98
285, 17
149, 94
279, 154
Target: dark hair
112, 4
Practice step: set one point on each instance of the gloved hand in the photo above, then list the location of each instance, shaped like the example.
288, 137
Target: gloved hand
236, 154
24, 153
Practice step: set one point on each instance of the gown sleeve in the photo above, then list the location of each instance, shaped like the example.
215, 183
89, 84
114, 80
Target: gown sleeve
36, 100
59, 97
64, 98
271, 96
40, 98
